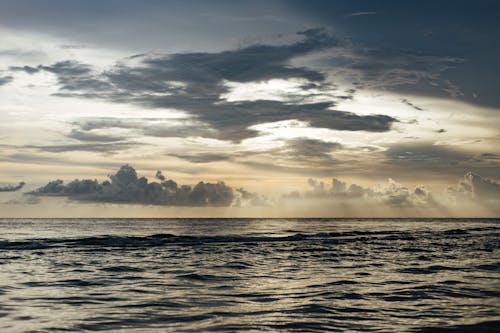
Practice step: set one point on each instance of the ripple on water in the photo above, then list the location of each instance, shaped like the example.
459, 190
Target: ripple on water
314, 275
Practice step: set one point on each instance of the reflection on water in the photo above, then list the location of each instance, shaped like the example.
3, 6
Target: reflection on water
249, 275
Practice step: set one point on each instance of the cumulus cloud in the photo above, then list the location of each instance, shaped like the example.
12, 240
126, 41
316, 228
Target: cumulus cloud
391, 193
474, 195
126, 187
395, 194
474, 186
12, 188
244, 198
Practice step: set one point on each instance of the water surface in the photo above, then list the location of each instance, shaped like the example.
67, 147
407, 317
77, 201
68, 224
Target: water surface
249, 275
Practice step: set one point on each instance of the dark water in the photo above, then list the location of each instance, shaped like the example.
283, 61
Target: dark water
199, 275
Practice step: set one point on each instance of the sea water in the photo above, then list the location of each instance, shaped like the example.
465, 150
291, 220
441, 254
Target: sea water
250, 275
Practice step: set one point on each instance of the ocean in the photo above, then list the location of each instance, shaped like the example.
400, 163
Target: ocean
250, 275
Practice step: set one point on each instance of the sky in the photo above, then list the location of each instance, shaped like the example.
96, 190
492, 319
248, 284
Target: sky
249, 108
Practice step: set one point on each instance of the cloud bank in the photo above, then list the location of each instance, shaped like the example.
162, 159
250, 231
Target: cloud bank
126, 187
391, 193
472, 196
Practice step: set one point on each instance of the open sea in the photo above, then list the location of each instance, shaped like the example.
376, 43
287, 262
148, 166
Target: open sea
250, 275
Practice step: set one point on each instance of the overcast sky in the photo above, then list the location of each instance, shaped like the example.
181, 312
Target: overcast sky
396, 100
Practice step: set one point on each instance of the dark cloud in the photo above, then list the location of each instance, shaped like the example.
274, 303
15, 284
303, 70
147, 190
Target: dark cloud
12, 188
310, 150
71, 75
110, 147
75, 76
92, 137
105, 123
27, 69
176, 130
442, 162
149, 127
195, 83
487, 157
160, 176
410, 104
468, 30
234, 129
126, 187
204, 157
401, 70
419, 154
5, 79
300, 156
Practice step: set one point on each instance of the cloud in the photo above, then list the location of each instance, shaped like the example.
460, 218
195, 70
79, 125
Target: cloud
427, 153
148, 127
395, 194
196, 83
392, 193
110, 147
126, 187
204, 157
12, 188
422, 158
474, 186
309, 152
27, 69
312, 150
87, 136
244, 198
410, 104
5, 79
23, 201
160, 176
383, 69
473, 196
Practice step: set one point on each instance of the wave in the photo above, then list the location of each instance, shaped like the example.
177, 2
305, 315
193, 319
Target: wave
156, 240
